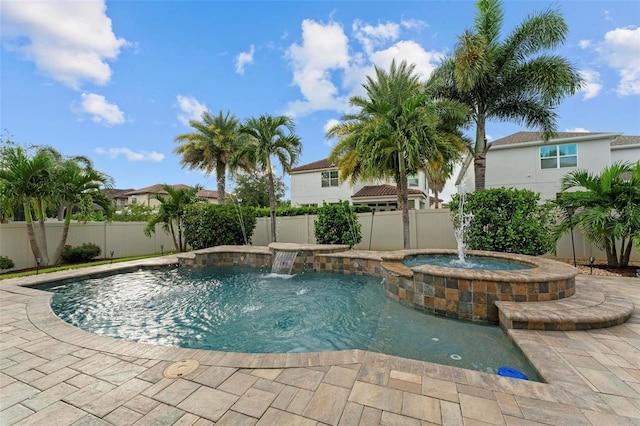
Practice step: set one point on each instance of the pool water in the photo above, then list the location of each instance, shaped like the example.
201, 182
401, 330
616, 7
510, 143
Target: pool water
471, 262
253, 311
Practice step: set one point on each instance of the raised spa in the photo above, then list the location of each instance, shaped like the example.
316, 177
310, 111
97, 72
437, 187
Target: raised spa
471, 294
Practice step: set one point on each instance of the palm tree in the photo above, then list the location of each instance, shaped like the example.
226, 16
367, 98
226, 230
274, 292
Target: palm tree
171, 212
211, 146
392, 134
26, 182
81, 186
606, 207
511, 80
268, 136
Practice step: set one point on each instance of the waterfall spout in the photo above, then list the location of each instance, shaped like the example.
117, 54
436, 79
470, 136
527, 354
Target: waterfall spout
283, 262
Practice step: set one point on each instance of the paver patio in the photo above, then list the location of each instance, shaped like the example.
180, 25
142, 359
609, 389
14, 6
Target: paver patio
54, 374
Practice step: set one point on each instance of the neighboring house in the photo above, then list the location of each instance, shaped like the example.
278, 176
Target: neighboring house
119, 196
318, 182
144, 195
524, 161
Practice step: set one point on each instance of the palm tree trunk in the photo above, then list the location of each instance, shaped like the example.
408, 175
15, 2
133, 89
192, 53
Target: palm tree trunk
221, 170
35, 248
435, 195
44, 251
480, 154
403, 198
173, 235
625, 253
63, 239
272, 203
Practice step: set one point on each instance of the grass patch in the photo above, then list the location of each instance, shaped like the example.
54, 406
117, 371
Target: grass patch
45, 270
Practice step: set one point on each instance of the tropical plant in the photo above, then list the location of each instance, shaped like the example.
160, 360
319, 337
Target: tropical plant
79, 187
209, 225
171, 212
392, 135
135, 212
252, 189
605, 207
80, 254
6, 263
268, 136
45, 179
507, 220
337, 224
211, 146
512, 80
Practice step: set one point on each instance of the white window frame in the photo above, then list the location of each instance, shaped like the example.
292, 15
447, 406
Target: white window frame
329, 179
558, 156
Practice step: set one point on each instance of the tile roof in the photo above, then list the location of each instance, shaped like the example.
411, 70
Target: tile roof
626, 140
382, 190
524, 137
157, 189
316, 165
119, 193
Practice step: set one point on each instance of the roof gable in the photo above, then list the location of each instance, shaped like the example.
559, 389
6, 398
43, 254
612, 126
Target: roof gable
316, 165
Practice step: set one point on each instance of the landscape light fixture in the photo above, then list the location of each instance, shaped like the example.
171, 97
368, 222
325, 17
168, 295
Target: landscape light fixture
161, 249
591, 260
37, 265
112, 257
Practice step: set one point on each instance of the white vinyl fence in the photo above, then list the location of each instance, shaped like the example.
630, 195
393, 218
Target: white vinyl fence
380, 231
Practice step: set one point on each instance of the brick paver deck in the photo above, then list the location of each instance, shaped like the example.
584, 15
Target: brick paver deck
54, 374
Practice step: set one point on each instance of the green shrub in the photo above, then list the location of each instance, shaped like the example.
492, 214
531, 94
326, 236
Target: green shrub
507, 220
82, 253
6, 263
208, 225
337, 224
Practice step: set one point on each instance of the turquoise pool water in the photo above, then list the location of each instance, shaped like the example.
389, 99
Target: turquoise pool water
471, 262
248, 310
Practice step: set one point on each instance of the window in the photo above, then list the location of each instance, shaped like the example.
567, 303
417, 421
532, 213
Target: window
330, 178
412, 180
558, 156
134, 199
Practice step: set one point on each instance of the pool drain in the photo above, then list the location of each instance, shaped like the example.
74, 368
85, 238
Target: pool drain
181, 368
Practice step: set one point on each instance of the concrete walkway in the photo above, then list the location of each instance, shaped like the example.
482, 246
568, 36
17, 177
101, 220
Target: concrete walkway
54, 374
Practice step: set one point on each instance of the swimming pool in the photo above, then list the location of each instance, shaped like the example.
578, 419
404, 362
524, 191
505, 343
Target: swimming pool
243, 309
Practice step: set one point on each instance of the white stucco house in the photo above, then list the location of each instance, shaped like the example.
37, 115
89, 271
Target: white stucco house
318, 182
522, 160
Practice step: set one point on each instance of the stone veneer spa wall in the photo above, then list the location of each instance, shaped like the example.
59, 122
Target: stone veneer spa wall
471, 294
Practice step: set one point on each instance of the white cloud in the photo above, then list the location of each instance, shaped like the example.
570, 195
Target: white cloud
324, 49
584, 44
619, 49
190, 109
413, 23
329, 124
243, 59
372, 36
130, 155
69, 41
101, 111
593, 83
411, 52
578, 130
607, 15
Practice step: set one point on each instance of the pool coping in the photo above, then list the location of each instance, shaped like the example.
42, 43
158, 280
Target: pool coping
564, 384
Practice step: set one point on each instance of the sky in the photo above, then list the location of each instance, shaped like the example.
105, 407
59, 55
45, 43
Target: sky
117, 81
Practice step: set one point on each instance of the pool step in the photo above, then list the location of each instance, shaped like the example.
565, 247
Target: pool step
591, 307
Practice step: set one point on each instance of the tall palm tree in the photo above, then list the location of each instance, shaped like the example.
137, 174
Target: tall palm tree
606, 207
511, 80
392, 134
268, 136
81, 186
211, 146
171, 212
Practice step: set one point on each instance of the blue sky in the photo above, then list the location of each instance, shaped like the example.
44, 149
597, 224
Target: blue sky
117, 81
